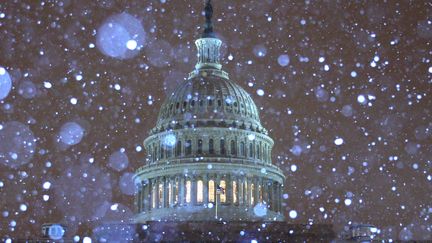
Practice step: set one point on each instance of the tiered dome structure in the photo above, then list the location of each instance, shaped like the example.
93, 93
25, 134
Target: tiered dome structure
208, 157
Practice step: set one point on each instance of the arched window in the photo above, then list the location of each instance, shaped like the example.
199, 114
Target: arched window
160, 195
176, 192
250, 150
200, 143
222, 195
188, 191
233, 147
169, 151
222, 146
178, 149
257, 151
188, 147
211, 146
210, 102
211, 191
260, 193
245, 193
234, 191
200, 191
162, 151
242, 149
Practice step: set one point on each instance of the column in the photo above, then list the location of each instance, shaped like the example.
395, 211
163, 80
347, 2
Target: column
239, 190
149, 195
229, 192
137, 201
142, 197
194, 190
205, 189
247, 191
157, 181
165, 193
181, 190
173, 191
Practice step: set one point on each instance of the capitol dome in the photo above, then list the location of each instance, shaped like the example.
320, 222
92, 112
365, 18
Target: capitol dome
208, 157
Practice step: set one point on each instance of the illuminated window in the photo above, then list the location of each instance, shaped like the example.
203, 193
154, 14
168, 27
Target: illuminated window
223, 192
252, 187
211, 190
176, 190
160, 193
234, 187
188, 191
260, 191
200, 192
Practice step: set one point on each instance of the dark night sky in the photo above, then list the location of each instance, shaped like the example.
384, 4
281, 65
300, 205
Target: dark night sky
358, 71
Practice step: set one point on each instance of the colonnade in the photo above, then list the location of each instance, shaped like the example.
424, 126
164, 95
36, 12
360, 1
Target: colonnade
180, 190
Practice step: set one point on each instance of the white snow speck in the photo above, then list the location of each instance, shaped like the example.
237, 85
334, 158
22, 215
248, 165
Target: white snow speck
73, 101
338, 141
283, 60
117, 87
78, 77
353, 74
131, 44
348, 202
23, 207
260, 92
293, 168
46, 185
293, 214
87, 240
47, 85
361, 99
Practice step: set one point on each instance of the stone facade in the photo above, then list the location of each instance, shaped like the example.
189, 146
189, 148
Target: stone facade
208, 135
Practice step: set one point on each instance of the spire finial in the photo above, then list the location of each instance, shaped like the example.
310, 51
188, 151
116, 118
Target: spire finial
208, 29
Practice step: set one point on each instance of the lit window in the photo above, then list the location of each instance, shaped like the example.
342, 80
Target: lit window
161, 201
234, 186
176, 189
211, 189
188, 191
223, 192
200, 191
260, 190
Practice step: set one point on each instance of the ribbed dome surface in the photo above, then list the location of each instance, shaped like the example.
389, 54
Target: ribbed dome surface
209, 98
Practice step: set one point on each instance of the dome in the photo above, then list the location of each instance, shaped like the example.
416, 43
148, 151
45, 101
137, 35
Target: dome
207, 99
208, 157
